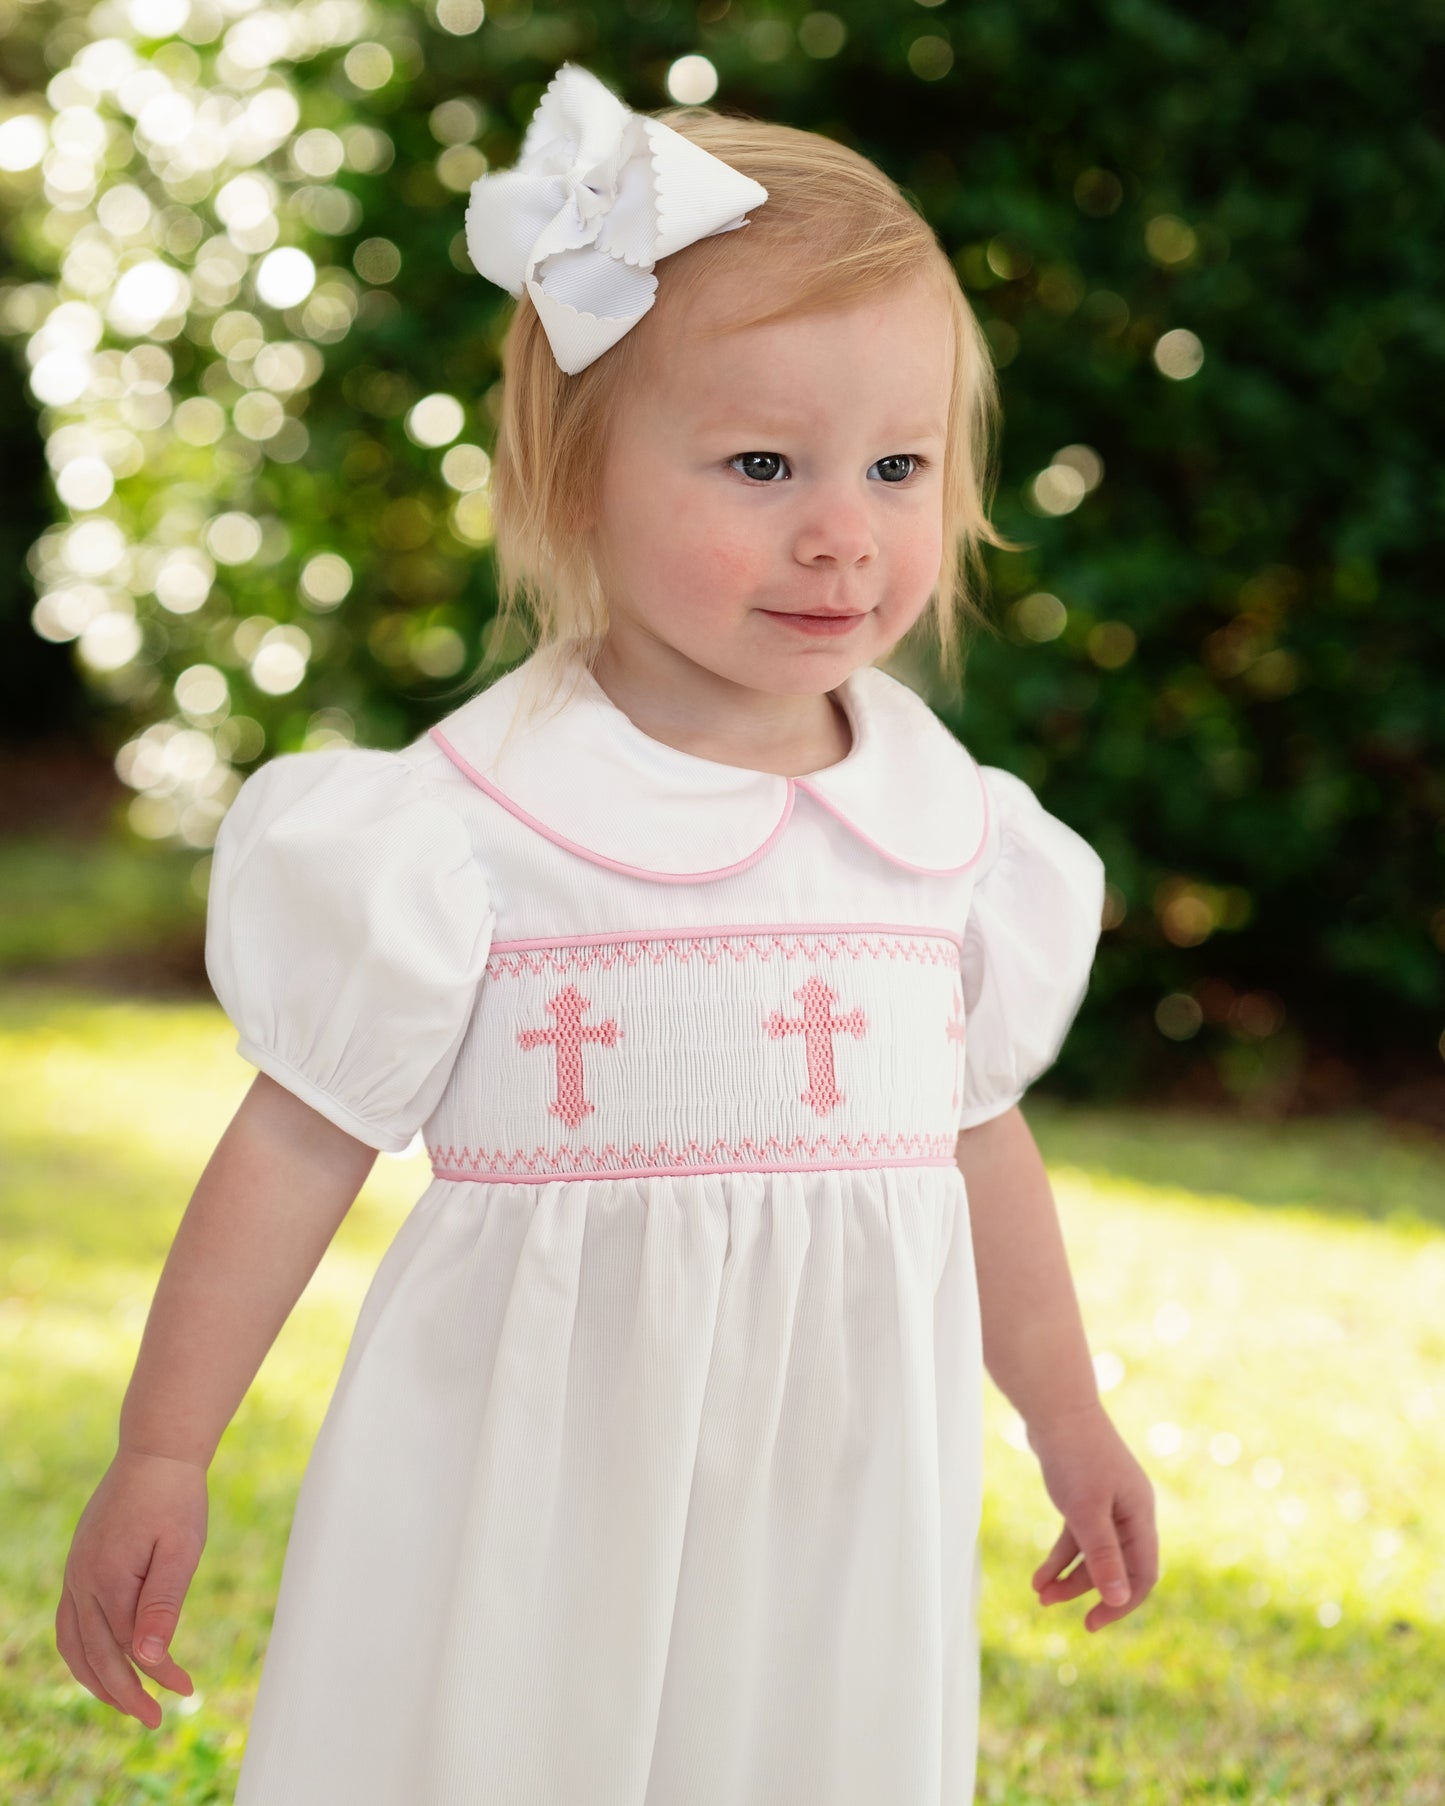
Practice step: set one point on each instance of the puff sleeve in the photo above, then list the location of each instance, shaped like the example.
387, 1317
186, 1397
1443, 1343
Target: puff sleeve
1028, 946
347, 929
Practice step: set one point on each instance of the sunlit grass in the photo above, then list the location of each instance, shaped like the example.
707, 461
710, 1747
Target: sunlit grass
1275, 1355
1263, 1302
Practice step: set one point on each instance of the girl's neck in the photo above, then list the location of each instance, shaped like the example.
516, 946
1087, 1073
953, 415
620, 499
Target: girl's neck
671, 699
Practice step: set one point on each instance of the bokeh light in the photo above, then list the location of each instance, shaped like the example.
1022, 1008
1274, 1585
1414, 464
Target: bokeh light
467, 467
1039, 616
23, 139
326, 579
435, 420
1178, 354
460, 17
285, 277
692, 80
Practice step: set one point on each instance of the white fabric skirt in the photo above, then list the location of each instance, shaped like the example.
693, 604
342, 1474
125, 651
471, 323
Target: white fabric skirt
643, 1492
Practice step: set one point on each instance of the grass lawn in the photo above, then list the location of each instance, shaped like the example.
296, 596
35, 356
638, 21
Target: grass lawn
1265, 1306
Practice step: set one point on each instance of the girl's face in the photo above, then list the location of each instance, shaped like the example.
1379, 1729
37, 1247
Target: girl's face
778, 470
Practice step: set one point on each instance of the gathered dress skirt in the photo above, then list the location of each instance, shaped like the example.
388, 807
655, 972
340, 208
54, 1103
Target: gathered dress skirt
653, 1491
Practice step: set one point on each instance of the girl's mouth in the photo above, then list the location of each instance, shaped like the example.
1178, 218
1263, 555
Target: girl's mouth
828, 626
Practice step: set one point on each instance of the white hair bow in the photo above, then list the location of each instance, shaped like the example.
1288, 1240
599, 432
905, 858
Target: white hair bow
598, 194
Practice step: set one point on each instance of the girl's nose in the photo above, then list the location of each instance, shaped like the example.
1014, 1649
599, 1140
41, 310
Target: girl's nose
835, 526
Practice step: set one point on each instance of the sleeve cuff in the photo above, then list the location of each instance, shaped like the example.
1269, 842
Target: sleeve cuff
982, 1113
384, 1140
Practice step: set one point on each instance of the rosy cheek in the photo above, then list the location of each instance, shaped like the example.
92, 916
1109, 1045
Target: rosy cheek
921, 555
736, 561
719, 544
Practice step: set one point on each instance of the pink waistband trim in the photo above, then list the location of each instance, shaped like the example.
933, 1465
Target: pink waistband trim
803, 1154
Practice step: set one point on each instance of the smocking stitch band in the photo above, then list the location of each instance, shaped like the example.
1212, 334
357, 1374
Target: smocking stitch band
956, 1029
509, 959
710, 1049
660, 1159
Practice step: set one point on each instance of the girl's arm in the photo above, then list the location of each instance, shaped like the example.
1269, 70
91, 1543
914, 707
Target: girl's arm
268, 1203
1034, 1344
1035, 1349
272, 1196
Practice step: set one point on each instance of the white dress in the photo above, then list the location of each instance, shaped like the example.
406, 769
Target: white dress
653, 1472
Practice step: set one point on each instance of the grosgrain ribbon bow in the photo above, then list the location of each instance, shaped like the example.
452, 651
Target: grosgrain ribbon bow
598, 194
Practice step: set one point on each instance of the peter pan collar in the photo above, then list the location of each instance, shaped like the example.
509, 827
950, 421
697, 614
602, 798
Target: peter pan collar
587, 777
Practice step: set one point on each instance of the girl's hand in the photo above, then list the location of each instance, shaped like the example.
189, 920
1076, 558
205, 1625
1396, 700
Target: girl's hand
131, 1559
1108, 1507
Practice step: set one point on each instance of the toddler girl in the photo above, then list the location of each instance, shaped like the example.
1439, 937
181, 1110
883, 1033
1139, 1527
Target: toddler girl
712, 968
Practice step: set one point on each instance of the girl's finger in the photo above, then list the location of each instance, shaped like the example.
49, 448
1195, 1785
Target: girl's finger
1107, 1570
1102, 1614
105, 1656
1139, 1539
166, 1672
1057, 1559
156, 1613
1077, 1581
68, 1642
1109, 1610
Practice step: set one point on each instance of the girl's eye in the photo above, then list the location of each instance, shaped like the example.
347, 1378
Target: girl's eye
755, 459
769, 461
903, 458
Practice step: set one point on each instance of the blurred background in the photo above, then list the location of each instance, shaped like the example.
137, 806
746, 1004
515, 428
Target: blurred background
250, 386
249, 397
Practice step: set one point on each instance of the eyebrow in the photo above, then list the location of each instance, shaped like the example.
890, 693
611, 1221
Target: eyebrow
773, 424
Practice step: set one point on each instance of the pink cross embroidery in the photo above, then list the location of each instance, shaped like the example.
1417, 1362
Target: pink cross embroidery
817, 1025
568, 1036
954, 1029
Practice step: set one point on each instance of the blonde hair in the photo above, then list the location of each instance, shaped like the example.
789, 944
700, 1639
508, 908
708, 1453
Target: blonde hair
834, 229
